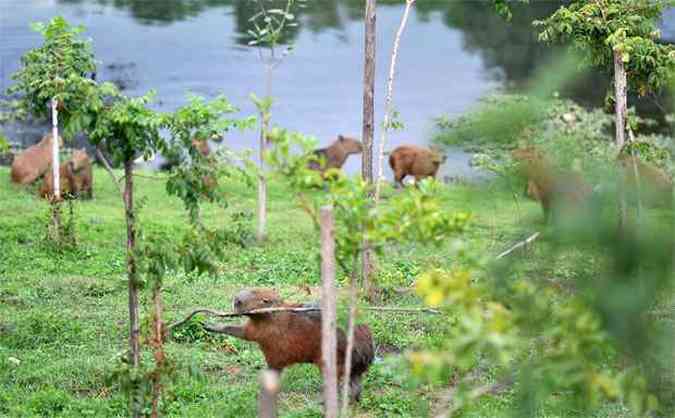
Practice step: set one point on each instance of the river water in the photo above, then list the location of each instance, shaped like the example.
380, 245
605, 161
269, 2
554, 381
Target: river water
452, 53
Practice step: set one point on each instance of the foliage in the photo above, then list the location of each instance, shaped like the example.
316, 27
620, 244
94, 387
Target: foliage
413, 216
269, 24
192, 179
571, 136
58, 70
600, 342
126, 126
598, 28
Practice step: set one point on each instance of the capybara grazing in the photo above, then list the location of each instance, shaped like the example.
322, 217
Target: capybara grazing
202, 146
656, 186
411, 160
29, 165
335, 155
76, 178
551, 187
288, 338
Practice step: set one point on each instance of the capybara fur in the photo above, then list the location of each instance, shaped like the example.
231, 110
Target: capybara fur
31, 164
202, 146
411, 160
75, 178
288, 338
553, 188
655, 185
335, 155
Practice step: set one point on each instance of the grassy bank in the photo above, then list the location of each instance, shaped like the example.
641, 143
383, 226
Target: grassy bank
63, 315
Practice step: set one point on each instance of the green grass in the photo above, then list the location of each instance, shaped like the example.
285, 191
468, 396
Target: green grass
63, 315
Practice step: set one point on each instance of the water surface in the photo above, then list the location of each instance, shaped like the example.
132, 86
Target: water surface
453, 52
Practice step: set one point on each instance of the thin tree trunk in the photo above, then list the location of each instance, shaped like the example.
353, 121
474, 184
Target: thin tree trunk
157, 345
269, 389
388, 101
262, 180
621, 108
368, 121
328, 313
56, 174
346, 373
134, 324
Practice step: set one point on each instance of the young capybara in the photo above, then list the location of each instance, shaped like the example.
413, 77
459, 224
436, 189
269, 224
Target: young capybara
32, 163
288, 338
335, 155
551, 187
411, 160
75, 175
655, 185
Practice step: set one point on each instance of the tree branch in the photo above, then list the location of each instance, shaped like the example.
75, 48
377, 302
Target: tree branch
520, 244
108, 168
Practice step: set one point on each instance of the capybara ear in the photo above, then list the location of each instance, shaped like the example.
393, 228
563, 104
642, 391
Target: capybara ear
341, 138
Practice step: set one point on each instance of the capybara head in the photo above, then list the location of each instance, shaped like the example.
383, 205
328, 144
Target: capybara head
437, 155
202, 146
78, 160
248, 300
527, 154
350, 145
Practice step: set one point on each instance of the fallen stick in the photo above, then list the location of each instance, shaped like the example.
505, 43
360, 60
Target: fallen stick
520, 244
220, 314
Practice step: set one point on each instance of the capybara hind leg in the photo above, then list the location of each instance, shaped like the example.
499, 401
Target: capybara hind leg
355, 389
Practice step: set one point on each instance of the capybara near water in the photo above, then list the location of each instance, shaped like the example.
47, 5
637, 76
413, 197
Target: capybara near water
335, 155
201, 145
553, 188
288, 338
655, 185
29, 165
412, 160
76, 178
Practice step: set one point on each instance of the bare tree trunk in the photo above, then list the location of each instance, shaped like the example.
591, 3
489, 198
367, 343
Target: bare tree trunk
56, 174
346, 373
262, 180
388, 101
134, 324
368, 121
328, 313
158, 346
56, 164
262, 187
269, 389
621, 109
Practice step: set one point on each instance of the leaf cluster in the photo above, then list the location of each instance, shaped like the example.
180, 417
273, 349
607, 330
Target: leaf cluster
599, 28
58, 69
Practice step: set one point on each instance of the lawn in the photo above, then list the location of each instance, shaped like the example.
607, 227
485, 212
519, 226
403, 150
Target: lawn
63, 315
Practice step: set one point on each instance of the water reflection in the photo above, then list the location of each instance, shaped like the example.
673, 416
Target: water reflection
453, 52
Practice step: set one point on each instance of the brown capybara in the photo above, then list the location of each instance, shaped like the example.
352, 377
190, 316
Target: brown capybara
655, 185
335, 155
202, 146
29, 165
553, 188
411, 160
288, 338
75, 178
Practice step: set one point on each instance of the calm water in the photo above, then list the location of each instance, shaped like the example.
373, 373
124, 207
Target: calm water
452, 53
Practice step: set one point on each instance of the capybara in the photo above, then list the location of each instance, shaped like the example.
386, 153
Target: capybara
288, 338
552, 187
29, 165
656, 186
75, 175
335, 155
411, 160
